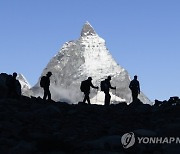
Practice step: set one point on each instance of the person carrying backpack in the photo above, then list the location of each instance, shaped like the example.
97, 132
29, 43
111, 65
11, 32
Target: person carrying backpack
106, 86
135, 88
85, 88
45, 83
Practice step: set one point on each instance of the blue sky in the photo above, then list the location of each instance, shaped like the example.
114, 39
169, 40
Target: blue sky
142, 35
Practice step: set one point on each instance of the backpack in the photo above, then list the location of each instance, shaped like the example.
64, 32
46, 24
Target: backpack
83, 86
43, 81
103, 85
133, 85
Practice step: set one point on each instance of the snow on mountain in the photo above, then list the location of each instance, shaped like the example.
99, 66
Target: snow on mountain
24, 83
99, 98
79, 59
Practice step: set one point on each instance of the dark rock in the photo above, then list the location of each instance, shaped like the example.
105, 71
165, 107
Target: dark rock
171, 149
104, 143
23, 147
170, 129
143, 108
31, 125
145, 132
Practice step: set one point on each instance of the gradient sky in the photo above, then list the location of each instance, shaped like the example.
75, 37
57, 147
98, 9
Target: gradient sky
143, 36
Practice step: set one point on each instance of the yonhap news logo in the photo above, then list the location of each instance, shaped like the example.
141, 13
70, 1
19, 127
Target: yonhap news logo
129, 139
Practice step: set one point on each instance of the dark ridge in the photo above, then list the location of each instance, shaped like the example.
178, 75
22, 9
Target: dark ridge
32, 125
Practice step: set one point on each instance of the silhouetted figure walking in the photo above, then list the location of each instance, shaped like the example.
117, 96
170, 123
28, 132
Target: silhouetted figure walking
105, 86
135, 88
45, 83
14, 86
85, 88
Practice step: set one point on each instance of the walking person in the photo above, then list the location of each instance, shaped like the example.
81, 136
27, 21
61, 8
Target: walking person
106, 86
85, 88
45, 83
135, 88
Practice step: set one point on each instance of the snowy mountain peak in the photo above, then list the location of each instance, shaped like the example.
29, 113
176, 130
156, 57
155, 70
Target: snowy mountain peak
79, 59
24, 83
87, 30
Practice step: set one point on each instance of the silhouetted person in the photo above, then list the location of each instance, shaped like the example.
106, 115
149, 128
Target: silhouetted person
45, 83
135, 88
107, 87
85, 87
14, 86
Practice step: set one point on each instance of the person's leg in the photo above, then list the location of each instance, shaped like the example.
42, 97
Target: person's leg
134, 95
106, 99
109, 98
49, 94
87, 98
45, 94
84, 100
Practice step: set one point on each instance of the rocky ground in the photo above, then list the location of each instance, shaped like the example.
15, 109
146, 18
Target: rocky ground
31, 125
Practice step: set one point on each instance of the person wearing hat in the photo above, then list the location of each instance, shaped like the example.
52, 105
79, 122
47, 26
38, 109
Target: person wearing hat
85, 87
135, 88
106, 90
46, 84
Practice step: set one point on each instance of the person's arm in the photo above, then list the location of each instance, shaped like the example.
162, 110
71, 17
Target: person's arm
111, 86
93, 86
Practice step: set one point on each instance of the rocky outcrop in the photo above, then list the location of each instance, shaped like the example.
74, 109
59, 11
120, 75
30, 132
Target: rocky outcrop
4, 79
31, 125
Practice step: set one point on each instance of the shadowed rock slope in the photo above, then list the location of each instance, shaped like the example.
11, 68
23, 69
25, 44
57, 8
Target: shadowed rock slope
31, 125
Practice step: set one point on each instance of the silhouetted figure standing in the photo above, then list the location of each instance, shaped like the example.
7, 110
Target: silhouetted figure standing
14, 86
85, 87
45, 83
106, 87
135, 88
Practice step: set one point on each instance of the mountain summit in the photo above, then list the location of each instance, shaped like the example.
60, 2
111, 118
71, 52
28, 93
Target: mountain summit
79, 59
87, 30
